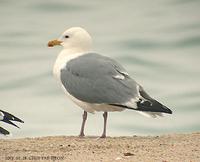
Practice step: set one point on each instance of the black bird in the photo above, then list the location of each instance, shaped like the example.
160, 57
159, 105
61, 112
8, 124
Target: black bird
8, 118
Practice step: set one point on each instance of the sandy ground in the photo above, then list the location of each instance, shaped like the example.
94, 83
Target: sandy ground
166, 148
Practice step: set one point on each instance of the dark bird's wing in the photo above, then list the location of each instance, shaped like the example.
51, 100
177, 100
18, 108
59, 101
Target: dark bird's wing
8, 118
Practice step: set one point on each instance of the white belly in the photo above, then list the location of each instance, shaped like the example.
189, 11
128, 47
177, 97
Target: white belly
90, 107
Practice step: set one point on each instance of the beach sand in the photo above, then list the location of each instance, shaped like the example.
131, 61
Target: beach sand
165, 148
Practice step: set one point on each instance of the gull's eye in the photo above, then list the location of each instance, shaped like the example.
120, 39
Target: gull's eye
66, 36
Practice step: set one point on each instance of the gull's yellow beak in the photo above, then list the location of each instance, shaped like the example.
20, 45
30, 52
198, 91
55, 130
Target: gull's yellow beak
54, 43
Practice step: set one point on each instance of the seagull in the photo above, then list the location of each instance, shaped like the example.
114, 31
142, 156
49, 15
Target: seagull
98, 83
8, 118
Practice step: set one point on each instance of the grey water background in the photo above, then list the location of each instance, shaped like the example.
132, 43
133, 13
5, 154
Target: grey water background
158, 42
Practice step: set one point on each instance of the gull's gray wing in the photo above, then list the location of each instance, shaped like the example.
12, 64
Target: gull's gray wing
98, 79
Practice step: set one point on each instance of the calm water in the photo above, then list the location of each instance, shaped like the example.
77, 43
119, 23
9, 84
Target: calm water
158, 43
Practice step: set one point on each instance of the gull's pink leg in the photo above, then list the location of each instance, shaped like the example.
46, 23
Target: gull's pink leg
105, 115
83, 124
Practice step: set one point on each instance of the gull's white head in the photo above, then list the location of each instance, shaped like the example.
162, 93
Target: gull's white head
74, 38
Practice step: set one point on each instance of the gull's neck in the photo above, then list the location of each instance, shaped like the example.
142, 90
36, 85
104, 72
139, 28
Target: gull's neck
75, 50
71, 49
68, 54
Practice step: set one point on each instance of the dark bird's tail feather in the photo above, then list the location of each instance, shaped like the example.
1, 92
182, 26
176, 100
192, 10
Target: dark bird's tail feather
4, 131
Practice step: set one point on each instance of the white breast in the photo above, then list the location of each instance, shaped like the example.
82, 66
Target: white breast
62, 59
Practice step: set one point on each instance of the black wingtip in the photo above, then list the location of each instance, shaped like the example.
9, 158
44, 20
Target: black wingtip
144, 107
153, 106
147, 103
169, 111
